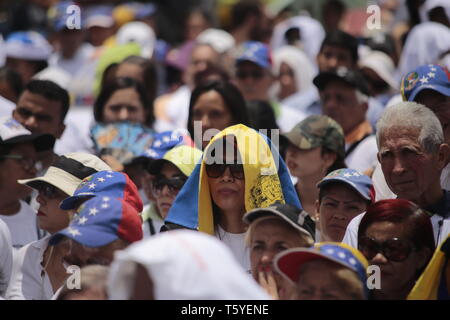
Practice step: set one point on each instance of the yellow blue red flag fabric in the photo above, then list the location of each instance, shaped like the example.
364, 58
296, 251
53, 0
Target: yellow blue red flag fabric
267, 181
434, 283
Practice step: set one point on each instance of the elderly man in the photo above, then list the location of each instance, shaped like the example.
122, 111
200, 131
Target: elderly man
344, 97
413, 154
428, 85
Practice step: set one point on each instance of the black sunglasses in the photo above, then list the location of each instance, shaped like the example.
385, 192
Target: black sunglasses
216, 170
47, 190
393, 249
174, 185
257, 74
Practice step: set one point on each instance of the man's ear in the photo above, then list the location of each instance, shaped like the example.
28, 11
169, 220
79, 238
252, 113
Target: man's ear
444, 155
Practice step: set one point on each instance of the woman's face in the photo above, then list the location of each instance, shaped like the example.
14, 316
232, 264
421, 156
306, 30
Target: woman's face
124, 105
228, 192
396, 276
50, 217
164, 194
308, 163
287, 80
338, 207
269, 238
211, 110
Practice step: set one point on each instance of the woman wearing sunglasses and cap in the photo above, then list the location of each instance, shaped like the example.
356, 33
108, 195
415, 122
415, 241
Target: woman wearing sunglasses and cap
170, 172
396, 235
240, 171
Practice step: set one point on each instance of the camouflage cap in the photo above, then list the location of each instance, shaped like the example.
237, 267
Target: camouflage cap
318, 131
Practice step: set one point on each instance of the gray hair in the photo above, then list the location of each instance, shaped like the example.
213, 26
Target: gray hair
413, 115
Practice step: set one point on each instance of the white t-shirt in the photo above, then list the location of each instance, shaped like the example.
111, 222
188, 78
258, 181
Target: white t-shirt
73, 65
177, 108
364, 156
236, 243
22, 225
29, 281
441, 228
289, 117
6, 257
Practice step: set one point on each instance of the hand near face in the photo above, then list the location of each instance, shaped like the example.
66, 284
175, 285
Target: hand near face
267, 281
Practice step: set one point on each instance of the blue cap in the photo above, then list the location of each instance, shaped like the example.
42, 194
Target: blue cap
289, 261
430, 76
356, 180
166, 141
100, 221
60, 16
111, 183
27, 45
256, 52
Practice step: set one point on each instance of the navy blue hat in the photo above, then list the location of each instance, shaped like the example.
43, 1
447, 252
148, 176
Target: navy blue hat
361, 183
430, 76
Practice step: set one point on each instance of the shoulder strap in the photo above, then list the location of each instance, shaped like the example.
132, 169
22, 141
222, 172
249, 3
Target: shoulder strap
354, 145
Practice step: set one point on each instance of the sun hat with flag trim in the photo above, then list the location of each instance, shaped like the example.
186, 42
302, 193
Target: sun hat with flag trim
100, 221
359, 182
288, 262
67, 172
298, 219
430, 76
105, 183
12, 132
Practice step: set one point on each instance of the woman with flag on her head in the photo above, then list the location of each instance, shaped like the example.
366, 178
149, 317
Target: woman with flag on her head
240, 170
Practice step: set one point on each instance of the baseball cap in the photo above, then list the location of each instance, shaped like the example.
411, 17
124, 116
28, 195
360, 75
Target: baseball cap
99, 16
27, 45
68, 170
12, 132
105, 183
295, 217
100, 221
288, 262
184, 158
351, 77
361, 183
318, 131
138, 32
219, 39
382, 65
430, 76
59, 15
164, 141
256, 52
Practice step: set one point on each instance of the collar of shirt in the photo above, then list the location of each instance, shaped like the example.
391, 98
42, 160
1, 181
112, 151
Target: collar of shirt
363, 129
442, 207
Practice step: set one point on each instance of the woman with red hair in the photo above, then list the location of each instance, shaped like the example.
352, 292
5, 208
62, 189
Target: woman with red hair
396, 235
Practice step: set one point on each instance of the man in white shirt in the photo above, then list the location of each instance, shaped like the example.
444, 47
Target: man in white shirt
18, 159
412, 154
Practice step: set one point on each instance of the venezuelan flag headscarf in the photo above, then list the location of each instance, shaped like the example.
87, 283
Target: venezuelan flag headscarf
265, 183
434, 283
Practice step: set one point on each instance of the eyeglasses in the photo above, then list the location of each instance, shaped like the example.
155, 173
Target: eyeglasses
47, 190
256, 74
174, 185
27, 163
393, 249
216, 170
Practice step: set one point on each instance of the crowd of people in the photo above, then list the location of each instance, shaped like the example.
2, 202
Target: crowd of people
267, 155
